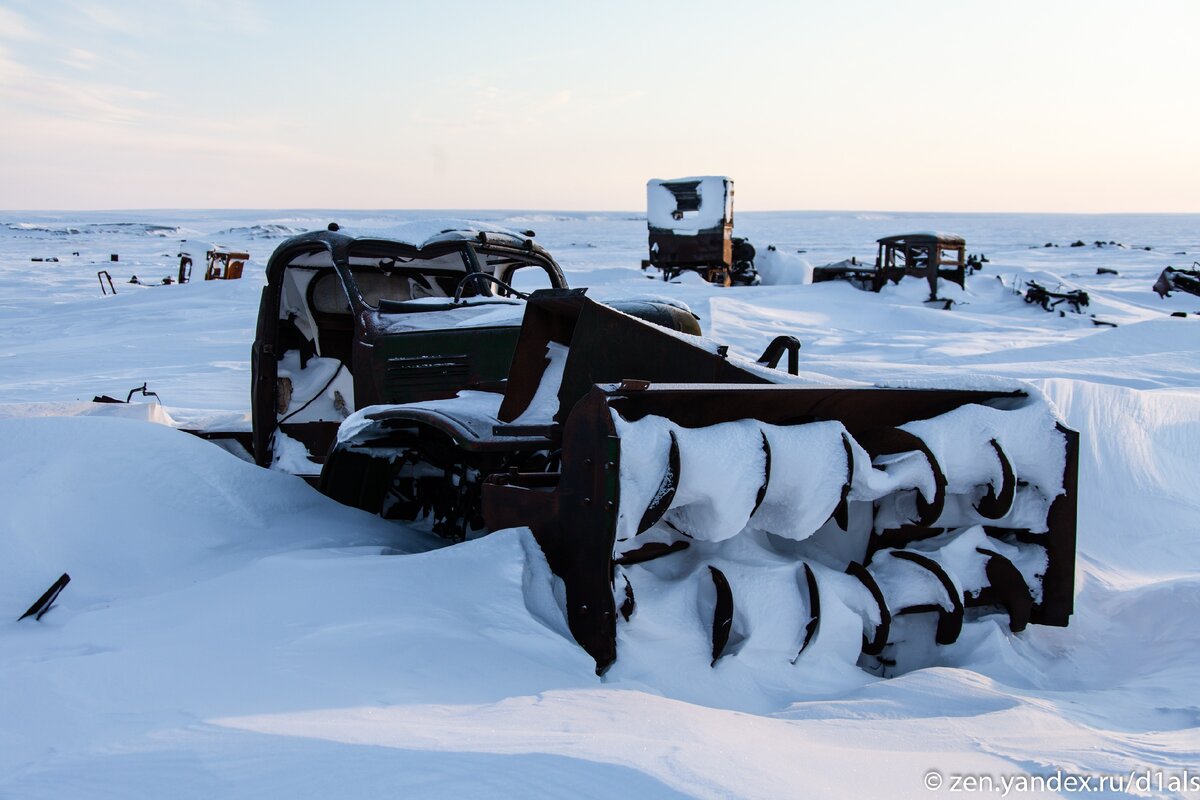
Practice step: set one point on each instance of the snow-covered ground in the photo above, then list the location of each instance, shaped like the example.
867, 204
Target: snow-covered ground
228, 632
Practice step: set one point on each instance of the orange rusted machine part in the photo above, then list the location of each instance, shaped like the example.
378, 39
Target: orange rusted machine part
225, 265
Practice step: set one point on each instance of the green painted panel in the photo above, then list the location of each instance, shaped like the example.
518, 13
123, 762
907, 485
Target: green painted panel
428, 365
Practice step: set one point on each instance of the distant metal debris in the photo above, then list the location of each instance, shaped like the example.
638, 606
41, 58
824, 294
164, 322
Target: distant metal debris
103, 398
225, 265
166, 281
859, 275
1184, 280
1100, 243
690, 221
221, 263
930, 255
43, 603
1076, 300
185, 268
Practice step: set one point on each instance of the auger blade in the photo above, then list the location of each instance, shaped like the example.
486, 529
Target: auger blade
722, 477
766, 481
995, 505
650, 551
873, 646
722, 623
1007, 585
894, 441
841, 514
950, 621
666, 490
812, 595
628, 606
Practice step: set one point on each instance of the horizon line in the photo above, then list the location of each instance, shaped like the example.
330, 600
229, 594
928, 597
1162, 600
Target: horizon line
313, 209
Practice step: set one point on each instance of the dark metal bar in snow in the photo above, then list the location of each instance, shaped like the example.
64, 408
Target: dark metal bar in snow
47, 599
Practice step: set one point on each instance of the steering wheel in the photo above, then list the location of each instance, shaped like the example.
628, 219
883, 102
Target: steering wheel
508, 291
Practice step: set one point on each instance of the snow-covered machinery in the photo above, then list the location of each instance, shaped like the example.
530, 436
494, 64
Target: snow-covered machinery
930, 255
221, 262
691, 228
1037, 294
1183, 280
664, 478
225, 265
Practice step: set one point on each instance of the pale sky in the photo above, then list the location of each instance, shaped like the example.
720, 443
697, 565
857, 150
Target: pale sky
920, 105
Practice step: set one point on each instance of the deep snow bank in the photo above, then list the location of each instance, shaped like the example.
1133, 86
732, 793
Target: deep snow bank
777, 267
130, 508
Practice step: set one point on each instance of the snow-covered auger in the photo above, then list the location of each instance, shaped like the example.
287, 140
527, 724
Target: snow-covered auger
660, 474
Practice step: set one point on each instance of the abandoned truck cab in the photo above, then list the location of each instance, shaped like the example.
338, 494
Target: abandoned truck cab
346, 322
927, 254
690, 221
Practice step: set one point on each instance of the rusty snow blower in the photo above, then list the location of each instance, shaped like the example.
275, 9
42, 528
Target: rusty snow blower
663, 477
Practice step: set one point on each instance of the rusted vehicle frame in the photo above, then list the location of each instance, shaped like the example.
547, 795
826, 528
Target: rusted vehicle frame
927, 255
